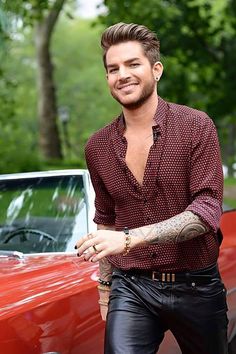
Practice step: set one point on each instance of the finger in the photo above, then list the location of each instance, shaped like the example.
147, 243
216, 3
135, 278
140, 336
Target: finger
88, 254
92, 251
99, 256
95, 248
83, 239
84, 247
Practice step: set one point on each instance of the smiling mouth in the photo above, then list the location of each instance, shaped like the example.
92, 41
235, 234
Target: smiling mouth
127, 86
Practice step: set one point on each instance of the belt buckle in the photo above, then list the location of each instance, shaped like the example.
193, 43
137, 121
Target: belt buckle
164, 277
154, 273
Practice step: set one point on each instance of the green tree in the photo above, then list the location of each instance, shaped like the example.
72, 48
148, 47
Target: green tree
84, 90
81, 89
198, 42
42, 16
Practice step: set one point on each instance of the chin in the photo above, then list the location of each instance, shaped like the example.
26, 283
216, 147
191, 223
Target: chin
125, 101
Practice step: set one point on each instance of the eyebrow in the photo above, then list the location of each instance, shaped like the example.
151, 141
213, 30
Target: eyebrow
128, 61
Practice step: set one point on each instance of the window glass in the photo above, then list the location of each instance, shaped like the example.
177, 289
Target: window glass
42, 214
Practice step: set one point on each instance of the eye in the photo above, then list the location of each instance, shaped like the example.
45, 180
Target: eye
134, 65
112, 70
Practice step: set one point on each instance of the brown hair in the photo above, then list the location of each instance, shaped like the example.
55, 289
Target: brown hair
124, 32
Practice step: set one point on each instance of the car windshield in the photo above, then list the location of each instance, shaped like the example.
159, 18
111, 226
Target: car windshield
42, 214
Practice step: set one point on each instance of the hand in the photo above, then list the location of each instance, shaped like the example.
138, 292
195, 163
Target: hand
100, 244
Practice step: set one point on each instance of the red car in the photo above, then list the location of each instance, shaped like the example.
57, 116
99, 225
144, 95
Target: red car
48, 297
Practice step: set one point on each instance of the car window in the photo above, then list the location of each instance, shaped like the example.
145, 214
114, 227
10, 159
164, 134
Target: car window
42, 214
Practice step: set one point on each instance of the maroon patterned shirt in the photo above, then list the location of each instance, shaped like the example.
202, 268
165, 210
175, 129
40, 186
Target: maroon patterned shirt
183, 172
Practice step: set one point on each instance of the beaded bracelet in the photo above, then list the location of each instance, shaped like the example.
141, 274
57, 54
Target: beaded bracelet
104, 282
127, 241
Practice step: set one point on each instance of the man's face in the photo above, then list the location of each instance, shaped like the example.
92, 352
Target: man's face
129, 73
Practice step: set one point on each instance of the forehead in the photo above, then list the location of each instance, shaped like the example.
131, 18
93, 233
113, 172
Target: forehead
124, 51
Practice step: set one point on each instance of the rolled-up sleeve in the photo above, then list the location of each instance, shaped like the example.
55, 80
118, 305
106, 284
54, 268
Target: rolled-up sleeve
206, 175
104, 204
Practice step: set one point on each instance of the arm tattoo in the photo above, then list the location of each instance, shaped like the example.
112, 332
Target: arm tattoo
180, 228
105, 267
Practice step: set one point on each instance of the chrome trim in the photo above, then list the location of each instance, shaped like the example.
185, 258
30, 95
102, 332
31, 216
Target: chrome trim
44, 174
12, 254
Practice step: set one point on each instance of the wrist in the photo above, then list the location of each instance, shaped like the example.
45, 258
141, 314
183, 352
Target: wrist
131, 240
104, 293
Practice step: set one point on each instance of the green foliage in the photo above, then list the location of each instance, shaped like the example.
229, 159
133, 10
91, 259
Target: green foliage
81, 80
27, 10
198, 51
17, 152
196, 35
198, 42
81, 87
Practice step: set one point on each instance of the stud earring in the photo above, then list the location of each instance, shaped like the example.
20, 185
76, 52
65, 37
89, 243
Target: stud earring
157, 78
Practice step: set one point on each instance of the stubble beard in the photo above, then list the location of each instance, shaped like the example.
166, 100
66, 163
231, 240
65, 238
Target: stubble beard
145, 94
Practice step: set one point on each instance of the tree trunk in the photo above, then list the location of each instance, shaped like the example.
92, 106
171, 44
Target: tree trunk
49, 139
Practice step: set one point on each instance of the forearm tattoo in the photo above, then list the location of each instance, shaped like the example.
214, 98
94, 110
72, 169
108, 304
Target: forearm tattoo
179, 228
105, 267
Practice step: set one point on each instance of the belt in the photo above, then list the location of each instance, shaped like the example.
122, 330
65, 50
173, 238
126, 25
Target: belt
200, 277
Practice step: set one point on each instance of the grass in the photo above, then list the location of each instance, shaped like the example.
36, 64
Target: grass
41, 203
230, 202
230, 185
230, 181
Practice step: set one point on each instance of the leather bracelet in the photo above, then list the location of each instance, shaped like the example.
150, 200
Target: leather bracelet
104, 303
104, 282
127, 241
104, 288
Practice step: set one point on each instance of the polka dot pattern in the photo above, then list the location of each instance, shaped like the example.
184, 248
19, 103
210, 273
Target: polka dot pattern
183, 172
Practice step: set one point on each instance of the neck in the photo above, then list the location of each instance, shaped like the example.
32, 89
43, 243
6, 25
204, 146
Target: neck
142, 116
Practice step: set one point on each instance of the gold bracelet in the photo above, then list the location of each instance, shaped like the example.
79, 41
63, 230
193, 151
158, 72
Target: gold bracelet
127, 241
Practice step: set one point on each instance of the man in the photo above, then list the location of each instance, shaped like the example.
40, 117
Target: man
157, 175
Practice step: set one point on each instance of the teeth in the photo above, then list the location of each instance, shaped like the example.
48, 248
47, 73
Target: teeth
127, 86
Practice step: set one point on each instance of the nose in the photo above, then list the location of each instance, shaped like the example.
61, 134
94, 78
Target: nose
123, 73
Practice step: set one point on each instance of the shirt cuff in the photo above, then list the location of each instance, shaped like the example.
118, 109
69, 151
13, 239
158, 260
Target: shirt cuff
104, 219
209, 211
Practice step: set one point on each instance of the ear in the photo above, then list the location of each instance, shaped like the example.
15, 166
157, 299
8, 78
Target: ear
157, 70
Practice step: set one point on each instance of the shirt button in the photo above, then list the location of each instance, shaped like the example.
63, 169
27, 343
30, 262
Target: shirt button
148, 219
154, 255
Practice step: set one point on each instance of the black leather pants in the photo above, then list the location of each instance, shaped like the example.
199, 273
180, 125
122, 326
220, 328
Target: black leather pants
142, 309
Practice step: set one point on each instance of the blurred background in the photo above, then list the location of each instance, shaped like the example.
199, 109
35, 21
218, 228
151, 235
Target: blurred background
53, 91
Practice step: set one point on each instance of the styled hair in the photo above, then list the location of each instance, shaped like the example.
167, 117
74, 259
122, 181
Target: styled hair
124, 32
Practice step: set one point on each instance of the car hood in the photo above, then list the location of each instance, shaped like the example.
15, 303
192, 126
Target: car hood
38, 279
